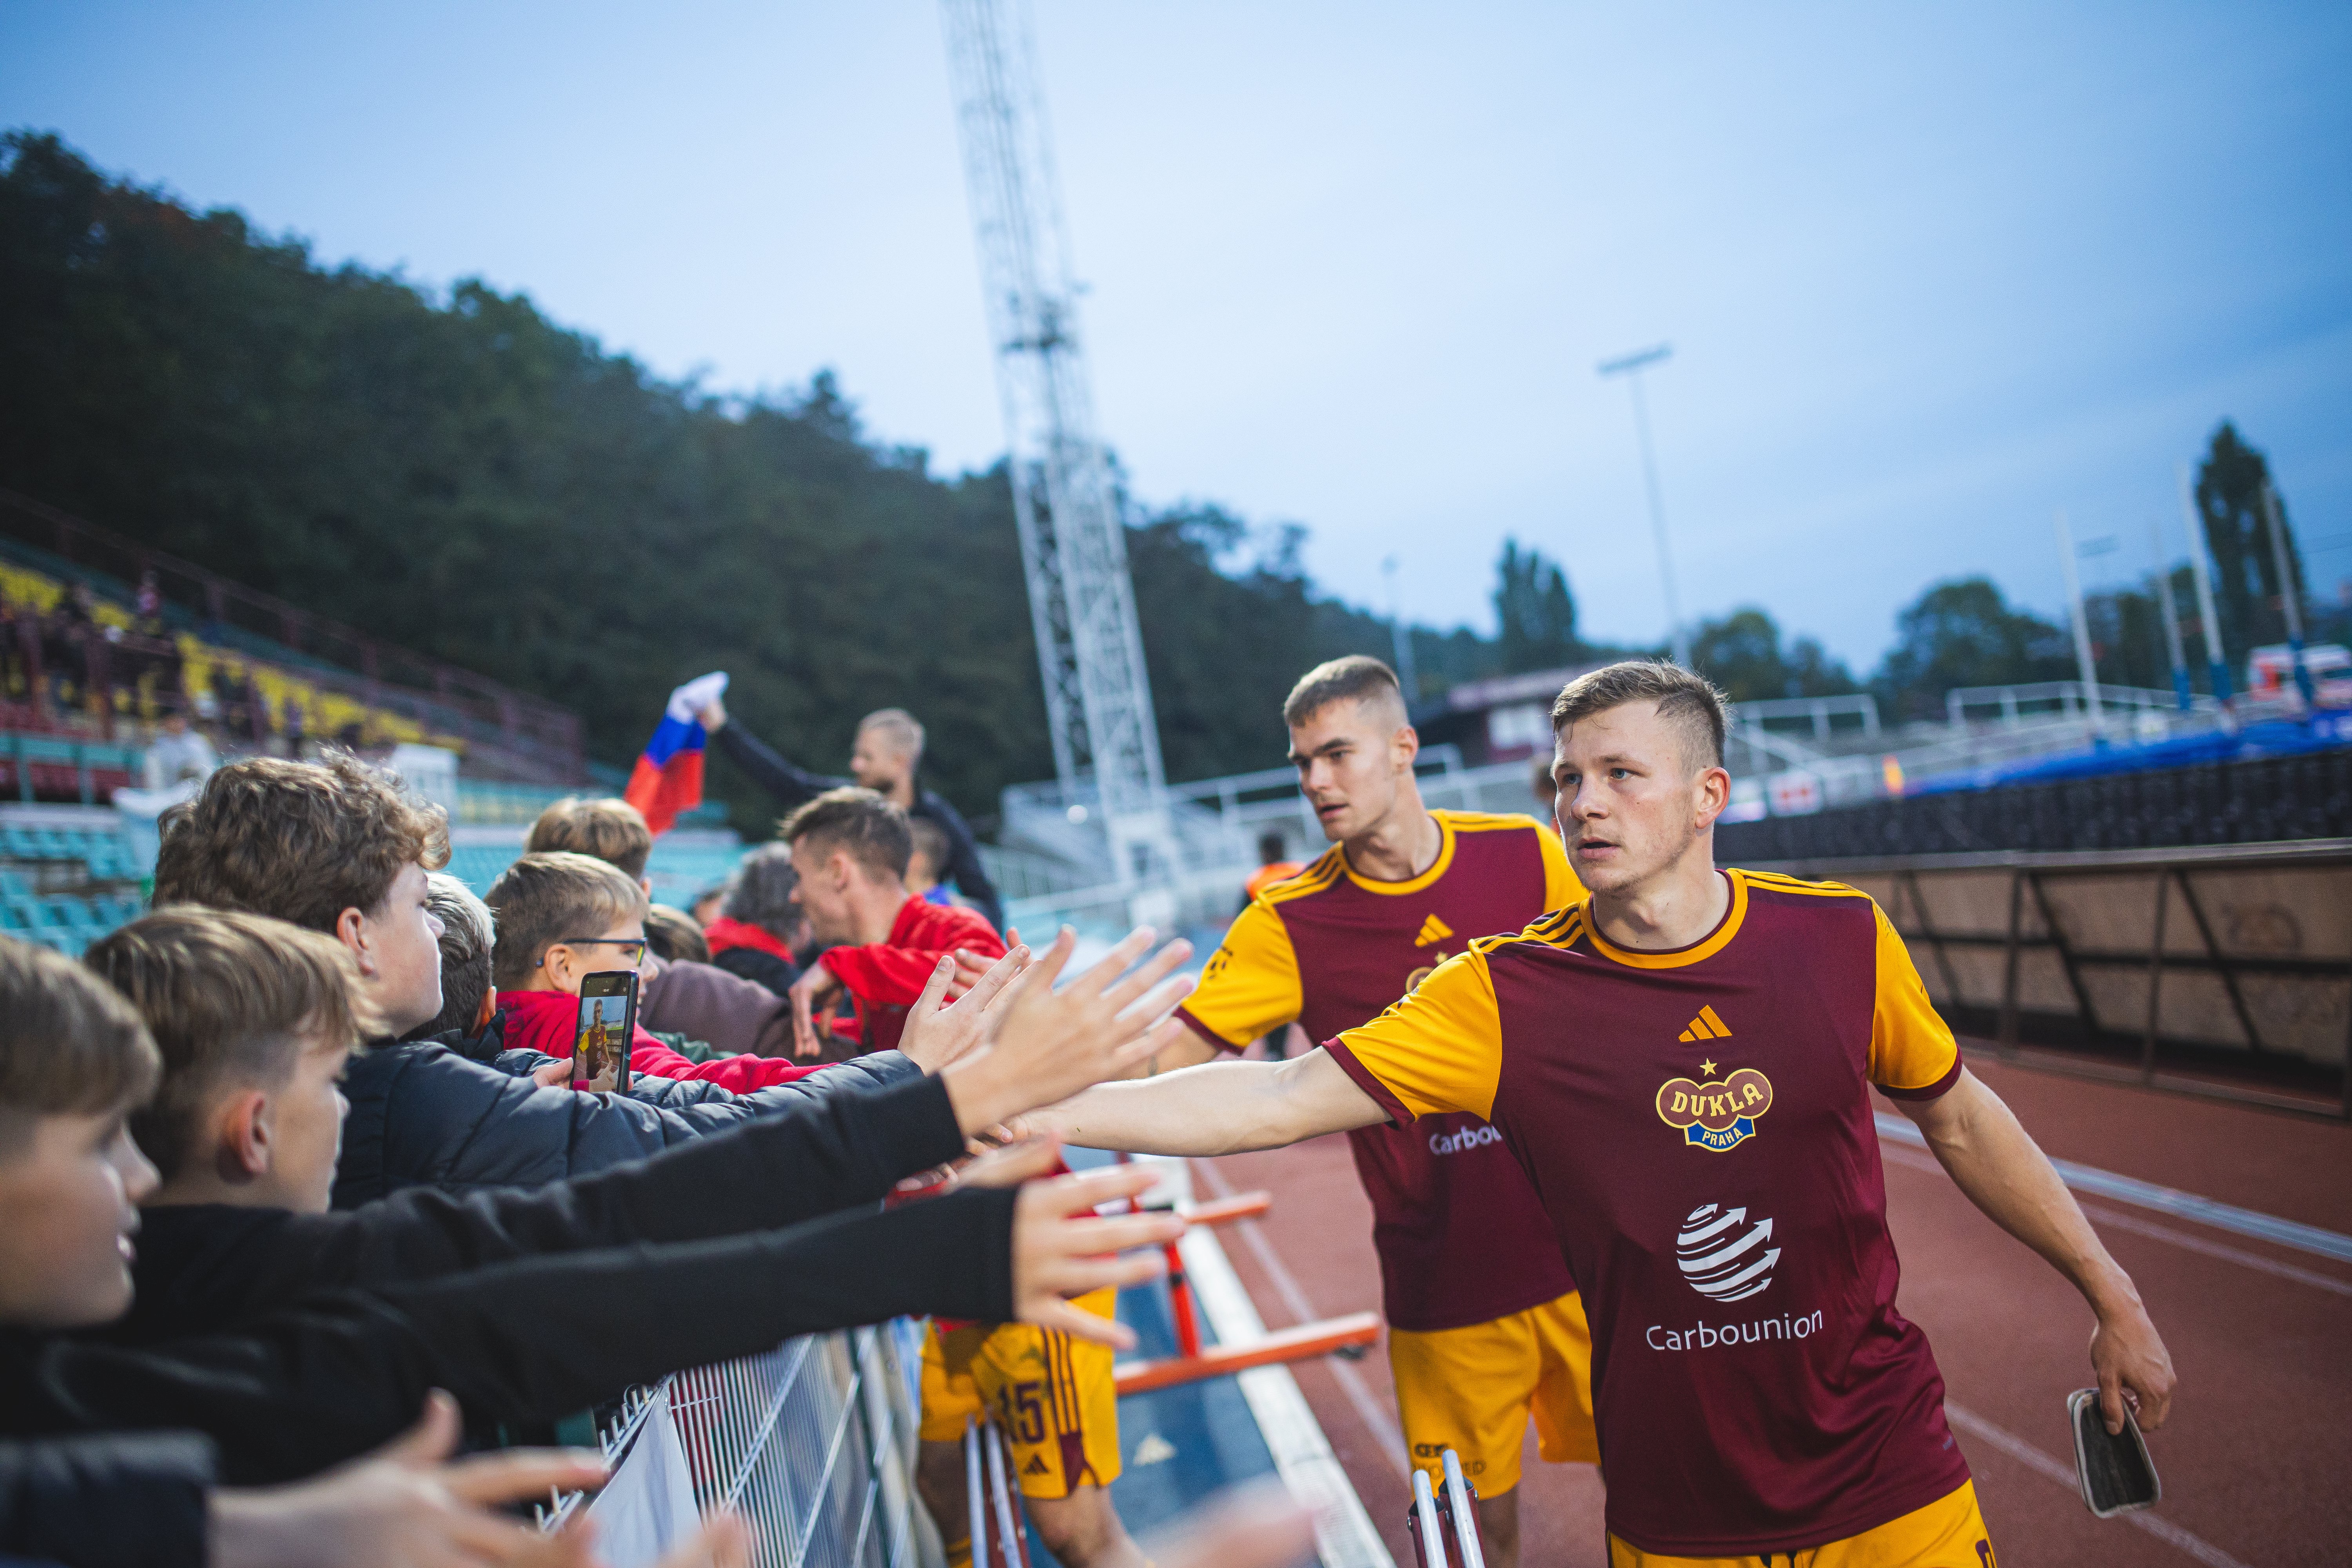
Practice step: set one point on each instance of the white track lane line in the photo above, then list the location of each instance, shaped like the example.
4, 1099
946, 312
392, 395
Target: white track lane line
1344, 1533
1388, 1437
2090, 1179
2105, 1218
2058, 1471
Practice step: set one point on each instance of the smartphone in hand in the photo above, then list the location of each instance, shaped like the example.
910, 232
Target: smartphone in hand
607, 1023
2116, 1474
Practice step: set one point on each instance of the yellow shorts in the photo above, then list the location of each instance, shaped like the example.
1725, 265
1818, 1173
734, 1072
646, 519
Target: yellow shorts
1471, 1390
1052, 1395
1948, 1533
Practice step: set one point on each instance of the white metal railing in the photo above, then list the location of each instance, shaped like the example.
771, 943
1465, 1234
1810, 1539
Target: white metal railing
813, 1443
2019, 704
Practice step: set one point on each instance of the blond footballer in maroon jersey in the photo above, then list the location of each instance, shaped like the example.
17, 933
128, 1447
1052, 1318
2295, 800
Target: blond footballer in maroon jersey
1682, 1063
1485, 1329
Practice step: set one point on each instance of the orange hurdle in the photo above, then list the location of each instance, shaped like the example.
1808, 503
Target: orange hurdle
1340, 1336
1307, 1340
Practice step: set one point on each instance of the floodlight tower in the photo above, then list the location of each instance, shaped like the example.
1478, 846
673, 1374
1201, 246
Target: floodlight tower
1072, 543
1631, 366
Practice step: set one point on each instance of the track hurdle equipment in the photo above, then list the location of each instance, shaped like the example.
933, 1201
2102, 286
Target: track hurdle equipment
1347, 1335
1445, 1526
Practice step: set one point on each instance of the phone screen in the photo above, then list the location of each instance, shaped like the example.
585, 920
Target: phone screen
607, 1022
2116, 1471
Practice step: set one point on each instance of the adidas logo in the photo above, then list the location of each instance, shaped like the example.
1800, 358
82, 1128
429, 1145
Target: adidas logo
1706, 1027
1432, 930
1036, 1466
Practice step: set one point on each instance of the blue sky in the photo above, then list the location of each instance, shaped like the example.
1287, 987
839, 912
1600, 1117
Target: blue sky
1930, 273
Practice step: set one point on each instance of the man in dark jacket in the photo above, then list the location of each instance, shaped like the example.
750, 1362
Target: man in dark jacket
885, 758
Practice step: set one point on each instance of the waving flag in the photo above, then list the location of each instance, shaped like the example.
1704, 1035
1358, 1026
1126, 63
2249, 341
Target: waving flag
667, 779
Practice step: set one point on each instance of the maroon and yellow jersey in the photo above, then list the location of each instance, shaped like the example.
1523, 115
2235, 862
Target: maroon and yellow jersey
1460, 1235
1698, 1124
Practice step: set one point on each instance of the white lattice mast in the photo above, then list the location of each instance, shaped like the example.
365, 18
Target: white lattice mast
1098, 696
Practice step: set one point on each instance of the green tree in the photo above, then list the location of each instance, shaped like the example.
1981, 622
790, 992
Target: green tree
1963, 633
1535, 610
1742, 654
2230, 484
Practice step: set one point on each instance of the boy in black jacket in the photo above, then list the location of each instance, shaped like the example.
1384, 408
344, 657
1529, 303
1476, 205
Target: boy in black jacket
255, 1018
302, 1386
340, 848
73, 1061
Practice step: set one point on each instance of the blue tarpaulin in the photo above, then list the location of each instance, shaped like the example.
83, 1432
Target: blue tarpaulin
2271, 738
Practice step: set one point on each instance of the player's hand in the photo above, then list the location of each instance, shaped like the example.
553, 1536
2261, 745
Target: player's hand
405, 1506
713, 716
814, 985
936, 1034
1061, 1248
1047, 1045
2133, 1367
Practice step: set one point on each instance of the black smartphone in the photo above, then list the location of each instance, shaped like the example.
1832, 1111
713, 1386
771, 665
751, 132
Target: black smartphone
2116, 1474
608, 1022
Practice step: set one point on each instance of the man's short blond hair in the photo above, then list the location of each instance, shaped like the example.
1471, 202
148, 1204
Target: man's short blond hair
1358, 677
541, 899
1687, 701
232, 1001
608, 829
904, 730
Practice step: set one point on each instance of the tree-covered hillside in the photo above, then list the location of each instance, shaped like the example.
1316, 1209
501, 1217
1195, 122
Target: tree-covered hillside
458, 474
465, 476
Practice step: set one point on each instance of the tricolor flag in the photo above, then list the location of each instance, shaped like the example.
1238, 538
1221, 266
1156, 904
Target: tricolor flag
667, 780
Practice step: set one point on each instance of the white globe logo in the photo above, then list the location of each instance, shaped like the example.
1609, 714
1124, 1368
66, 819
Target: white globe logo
1723, 1256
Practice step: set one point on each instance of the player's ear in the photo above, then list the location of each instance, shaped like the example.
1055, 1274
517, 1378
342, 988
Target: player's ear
1711, 796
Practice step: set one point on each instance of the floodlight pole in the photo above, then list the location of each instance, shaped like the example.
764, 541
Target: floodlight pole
1631, 366
2290, 600
2083, 660
2217, 661
1400, 640
2171, 618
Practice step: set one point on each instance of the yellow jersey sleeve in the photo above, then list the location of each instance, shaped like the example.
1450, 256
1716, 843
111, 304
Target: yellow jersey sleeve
1250, 984
1912, 1053
1560, 887
1438, 1049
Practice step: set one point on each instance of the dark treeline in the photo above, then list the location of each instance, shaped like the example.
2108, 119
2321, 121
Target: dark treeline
468, 479
465, 476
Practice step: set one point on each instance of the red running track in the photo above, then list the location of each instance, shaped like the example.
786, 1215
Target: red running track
2254, 1460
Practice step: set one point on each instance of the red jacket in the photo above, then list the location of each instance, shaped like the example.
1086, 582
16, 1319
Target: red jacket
543, 1021
883, 978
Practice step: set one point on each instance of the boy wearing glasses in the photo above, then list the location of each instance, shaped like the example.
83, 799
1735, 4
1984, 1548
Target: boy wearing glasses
562, 917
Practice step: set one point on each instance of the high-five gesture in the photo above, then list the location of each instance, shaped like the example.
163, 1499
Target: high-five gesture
1061, 1248
1045, 1044
939, 1032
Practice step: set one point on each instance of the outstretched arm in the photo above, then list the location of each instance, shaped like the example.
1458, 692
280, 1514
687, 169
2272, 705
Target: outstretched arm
2004, 1173
1219, 1107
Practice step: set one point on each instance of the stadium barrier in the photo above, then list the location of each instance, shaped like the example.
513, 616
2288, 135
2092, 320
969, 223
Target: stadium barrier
813, 1443
2201, 970
2265, 800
